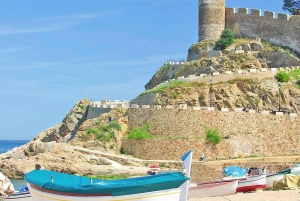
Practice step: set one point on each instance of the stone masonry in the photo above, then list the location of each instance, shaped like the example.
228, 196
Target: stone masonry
243, 134
283, 30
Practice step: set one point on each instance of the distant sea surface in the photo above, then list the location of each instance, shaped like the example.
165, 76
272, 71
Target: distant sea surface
6, 145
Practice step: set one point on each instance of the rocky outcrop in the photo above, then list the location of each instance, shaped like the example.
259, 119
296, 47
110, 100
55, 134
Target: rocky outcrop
67, 147
64, 157
66, 130
244, 54
255, 93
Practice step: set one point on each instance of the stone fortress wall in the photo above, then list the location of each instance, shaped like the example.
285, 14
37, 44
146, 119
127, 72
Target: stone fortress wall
96, 108
244, 134
283, 30
249, 133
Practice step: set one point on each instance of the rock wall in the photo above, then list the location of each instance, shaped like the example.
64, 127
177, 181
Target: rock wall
283, 30
178, 130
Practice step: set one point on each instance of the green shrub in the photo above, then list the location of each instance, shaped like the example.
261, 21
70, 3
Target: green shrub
140, 132
202, 97
122, 150
283, 76
105, 136
212, 135
298, 84
295, 73
163, 69
92, 131
104, 133
115, 125
226, 39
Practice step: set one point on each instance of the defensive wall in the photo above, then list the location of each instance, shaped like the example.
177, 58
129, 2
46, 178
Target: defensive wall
96, 108
283, 30
239, 73
244, 134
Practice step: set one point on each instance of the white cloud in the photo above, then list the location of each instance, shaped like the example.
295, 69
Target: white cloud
48, 24
14, 49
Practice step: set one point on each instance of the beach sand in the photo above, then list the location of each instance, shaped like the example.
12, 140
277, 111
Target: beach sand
283, 195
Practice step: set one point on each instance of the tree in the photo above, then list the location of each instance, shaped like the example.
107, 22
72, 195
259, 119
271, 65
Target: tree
290, 5
226, 38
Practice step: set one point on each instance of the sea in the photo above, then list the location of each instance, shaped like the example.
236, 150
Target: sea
6, 145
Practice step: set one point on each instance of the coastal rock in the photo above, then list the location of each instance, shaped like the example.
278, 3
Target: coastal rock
64, 157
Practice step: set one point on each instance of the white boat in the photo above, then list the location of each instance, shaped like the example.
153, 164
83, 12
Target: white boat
252, 183
212, 189
18, 196
295, 170
276, 177
230, 178
47, 185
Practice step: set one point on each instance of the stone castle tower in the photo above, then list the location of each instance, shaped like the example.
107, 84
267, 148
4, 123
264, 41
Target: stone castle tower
211, 19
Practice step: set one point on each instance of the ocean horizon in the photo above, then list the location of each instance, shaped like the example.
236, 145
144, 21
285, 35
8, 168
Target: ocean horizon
6, 145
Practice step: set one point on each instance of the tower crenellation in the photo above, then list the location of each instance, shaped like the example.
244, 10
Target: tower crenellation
214, 18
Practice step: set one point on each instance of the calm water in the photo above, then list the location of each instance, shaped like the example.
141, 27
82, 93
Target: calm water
6, 145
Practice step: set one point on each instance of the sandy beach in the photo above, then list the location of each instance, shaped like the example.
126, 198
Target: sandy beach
283, 195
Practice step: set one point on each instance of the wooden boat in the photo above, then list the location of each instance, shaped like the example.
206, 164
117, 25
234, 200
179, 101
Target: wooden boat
276, 177
21, 195
252, 183
212, 189
45, 185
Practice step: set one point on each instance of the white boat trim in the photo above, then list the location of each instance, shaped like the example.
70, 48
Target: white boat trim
164, 195
222, 188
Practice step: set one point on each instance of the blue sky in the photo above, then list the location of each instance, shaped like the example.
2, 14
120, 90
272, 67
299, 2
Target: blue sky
55, 53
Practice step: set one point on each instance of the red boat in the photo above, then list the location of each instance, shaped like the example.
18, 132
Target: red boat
252, 183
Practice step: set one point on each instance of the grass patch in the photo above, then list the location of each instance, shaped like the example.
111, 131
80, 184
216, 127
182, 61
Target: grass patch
244, 80
175, 95
83, 107
295, 74
163, 165
242, 41
138, 133
282, 76
212, 135
201, 45
169, 85
104, 133
251, 156
163, 69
